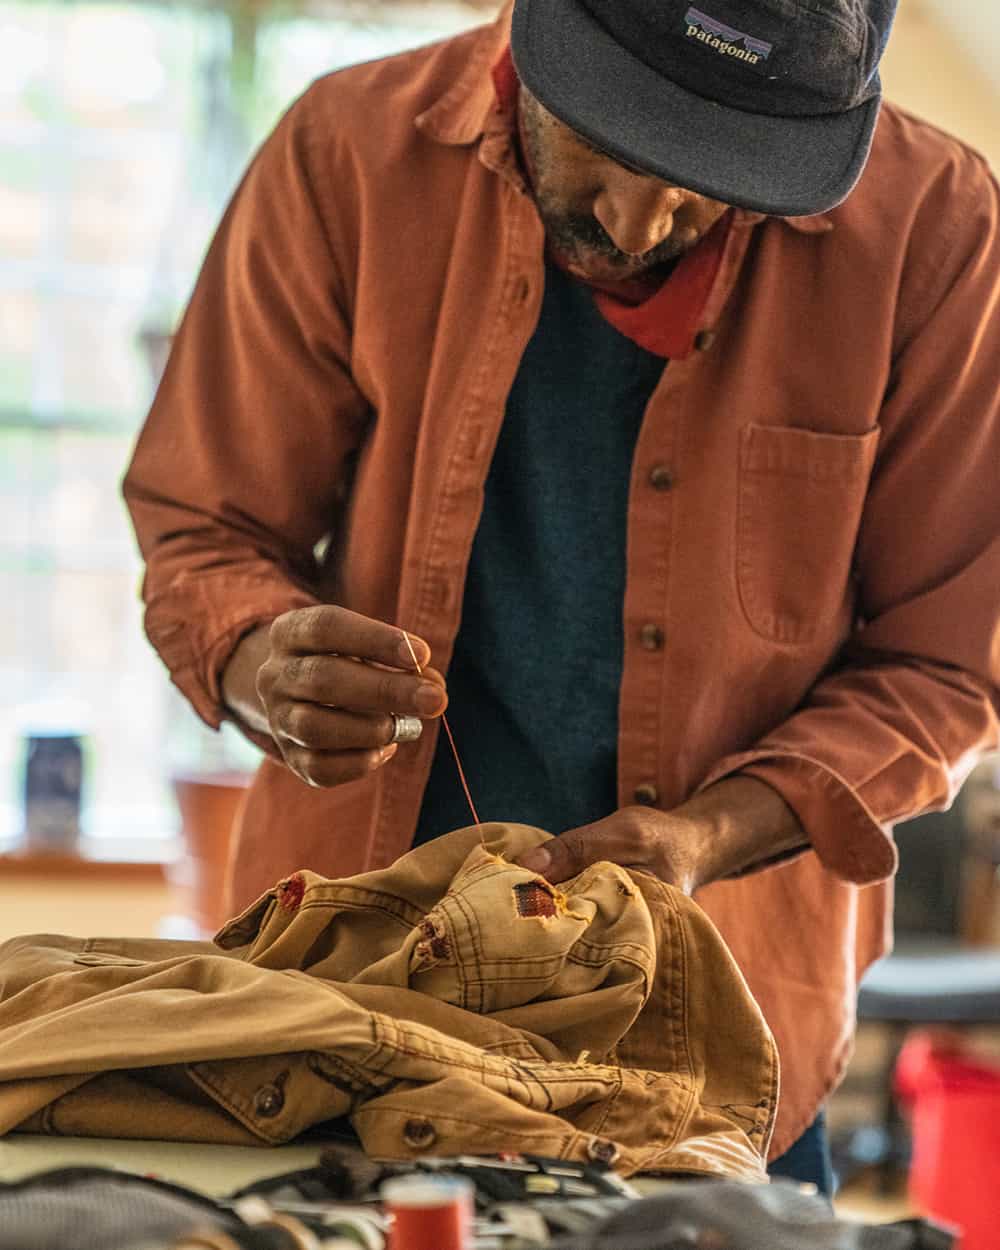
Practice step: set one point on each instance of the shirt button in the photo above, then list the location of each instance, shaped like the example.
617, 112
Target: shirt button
268, 1102
660, 477
651, 637
646, 794
704, 339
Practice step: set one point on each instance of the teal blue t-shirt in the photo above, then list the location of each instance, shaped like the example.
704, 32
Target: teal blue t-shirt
534, 681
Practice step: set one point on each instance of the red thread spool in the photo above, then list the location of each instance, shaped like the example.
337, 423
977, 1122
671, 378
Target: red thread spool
429, 1212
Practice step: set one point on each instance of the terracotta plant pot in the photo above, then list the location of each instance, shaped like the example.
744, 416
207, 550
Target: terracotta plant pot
208, 804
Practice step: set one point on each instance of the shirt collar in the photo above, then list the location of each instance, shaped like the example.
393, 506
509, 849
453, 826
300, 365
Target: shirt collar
464, 112
818, 223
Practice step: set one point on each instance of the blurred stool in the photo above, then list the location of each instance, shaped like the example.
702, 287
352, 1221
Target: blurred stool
934, 976
910, 988
932, 986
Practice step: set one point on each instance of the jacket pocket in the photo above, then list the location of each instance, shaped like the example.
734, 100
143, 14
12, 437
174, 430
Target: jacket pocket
801, 495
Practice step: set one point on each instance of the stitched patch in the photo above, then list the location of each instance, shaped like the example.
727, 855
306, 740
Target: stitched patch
535, 899
436, 939
433, 947
290, 892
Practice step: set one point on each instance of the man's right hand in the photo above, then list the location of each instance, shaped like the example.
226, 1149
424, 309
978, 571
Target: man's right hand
324, 683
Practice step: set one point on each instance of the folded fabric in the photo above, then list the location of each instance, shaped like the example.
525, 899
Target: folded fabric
450, 1003
91, 1208
98, 1209
725, 1216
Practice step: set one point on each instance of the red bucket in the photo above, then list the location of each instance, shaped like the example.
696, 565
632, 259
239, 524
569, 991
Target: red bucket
954, 1102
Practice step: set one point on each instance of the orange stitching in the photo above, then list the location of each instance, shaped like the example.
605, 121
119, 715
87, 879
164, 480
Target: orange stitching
454, 749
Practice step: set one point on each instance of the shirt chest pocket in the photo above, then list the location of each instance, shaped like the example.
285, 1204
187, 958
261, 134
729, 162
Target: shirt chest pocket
801, 495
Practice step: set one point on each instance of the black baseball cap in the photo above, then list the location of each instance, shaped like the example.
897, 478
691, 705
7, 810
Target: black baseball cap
765, 104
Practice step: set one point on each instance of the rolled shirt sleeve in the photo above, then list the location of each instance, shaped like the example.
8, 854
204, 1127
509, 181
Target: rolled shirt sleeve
237, 472
895, 728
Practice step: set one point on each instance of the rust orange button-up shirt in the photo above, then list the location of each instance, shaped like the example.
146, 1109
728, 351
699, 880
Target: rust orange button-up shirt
814, 518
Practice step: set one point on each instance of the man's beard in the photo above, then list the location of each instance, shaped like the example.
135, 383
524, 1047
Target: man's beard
575, 236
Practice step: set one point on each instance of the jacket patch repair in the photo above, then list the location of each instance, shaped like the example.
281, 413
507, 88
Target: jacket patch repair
536, 900
290, 892
433, 946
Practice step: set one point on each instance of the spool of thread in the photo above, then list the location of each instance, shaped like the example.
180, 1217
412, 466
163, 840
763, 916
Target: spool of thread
429, 1212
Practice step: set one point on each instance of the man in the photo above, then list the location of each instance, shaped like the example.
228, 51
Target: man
595, 373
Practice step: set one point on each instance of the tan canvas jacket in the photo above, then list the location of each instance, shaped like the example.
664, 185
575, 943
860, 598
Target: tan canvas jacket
451, 1003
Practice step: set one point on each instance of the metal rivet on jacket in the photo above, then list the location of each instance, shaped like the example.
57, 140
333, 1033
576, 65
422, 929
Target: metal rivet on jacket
602, 1151
268, 1101
419, 1134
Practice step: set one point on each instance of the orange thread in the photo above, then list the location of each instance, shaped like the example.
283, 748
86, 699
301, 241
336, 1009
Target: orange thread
451, 740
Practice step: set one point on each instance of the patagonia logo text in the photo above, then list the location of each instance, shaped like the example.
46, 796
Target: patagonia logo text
724, 39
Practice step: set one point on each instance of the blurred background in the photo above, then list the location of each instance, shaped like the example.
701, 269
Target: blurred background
123, 129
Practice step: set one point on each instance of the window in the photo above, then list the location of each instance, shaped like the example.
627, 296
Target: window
123, 129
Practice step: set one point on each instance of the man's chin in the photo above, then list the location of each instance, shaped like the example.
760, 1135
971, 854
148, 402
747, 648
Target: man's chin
598, 268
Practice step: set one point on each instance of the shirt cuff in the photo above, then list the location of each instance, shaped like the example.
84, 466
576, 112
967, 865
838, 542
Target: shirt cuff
196, 632
849, 841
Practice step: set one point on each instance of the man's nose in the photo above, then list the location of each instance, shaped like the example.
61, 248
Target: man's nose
636, 211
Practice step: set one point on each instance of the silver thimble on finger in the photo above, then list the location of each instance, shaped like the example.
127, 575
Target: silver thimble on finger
406, 728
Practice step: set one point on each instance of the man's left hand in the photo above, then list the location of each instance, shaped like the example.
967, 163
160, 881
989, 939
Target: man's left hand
731, 827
